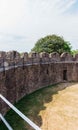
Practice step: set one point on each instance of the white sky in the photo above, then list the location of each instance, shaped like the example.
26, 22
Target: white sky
23, 22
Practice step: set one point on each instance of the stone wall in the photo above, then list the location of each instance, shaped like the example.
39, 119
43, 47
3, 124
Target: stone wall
22, 75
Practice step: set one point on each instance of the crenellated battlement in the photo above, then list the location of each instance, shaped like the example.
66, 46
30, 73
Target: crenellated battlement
14, 58
26, 73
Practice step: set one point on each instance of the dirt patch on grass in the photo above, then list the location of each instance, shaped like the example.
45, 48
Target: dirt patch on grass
62, 112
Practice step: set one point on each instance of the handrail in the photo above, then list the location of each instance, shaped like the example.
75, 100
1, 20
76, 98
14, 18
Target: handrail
5, 122
20, 113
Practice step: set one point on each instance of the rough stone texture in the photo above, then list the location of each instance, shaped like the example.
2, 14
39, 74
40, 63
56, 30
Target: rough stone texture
76, 57
17, 82
44, 57
12, 55
66, 57
25, 57
54, 56
35, 57
2, 54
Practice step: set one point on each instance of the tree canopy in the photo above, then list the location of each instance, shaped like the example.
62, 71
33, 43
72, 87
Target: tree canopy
74, 52
52, 43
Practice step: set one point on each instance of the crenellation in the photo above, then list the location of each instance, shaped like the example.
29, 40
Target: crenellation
35, 57
44, 57
54, 56
66, 57
12, 58
12, 55
76, 57
25, 56
2, 54
23, 74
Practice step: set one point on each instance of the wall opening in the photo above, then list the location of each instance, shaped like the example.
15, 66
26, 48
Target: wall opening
47, 71
14, 54
64, 74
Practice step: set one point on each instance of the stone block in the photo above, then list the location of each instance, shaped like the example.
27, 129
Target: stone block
44, 57
54, 57
66, 57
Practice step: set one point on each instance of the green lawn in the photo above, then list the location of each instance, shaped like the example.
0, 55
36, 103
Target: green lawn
30, 105
36, 106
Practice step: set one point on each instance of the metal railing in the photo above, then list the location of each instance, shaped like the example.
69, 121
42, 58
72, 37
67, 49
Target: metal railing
5, 122
19, 113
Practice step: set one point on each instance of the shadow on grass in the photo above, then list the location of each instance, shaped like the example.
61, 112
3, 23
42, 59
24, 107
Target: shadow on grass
31, 106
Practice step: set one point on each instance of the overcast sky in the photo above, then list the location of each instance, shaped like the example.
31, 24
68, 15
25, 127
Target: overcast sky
23, 22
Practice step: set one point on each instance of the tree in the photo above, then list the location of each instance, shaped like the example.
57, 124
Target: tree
74, 52
52, 43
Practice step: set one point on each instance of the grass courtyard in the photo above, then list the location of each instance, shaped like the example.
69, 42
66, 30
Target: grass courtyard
51, 108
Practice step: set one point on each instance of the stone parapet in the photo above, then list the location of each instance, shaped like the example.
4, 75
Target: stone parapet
26, 73
15, 58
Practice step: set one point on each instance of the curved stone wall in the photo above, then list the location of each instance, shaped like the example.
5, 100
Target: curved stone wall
21, 75
14, 58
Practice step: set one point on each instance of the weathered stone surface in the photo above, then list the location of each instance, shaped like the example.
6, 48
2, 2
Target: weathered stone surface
2, 54
76, 57
44, 57
35, 57
12, 55
27, 78
66, 57
25, 56
54, 56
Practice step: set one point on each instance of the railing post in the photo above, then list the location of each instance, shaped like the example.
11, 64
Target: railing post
5, 122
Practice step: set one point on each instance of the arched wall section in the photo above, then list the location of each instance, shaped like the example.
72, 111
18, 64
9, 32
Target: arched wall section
15, 84
18, 81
